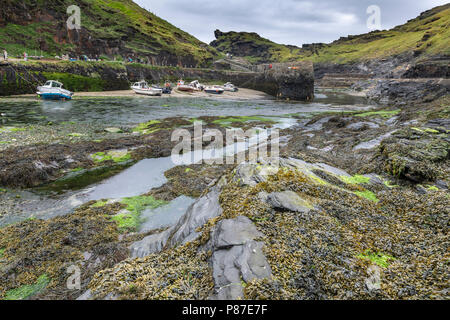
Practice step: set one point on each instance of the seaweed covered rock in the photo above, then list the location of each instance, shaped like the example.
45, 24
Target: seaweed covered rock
87, 239
416, 154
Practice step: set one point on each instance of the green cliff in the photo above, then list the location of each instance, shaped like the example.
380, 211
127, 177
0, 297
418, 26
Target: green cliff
426, 35
113, 29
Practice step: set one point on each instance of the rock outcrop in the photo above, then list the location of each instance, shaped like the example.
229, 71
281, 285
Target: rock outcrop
184, 231
236, 257
401, 90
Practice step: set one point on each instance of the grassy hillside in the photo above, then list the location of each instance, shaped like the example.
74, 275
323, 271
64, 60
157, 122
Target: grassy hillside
427, 35
109, 27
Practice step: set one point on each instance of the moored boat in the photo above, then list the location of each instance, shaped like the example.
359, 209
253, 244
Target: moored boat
143, 88
53, 90
230, 87
214, 90
197, 85
181, 86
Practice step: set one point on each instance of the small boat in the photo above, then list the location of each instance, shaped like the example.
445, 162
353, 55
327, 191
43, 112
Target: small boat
197, 85
214, 90
53, 90
181, 86
142, 87
230, 87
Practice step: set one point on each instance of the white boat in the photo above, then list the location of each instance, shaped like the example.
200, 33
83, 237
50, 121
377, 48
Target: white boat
214, 90
53, 90
230, 87
142, 87
197, 85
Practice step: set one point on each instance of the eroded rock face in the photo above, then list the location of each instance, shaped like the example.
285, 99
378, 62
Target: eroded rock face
184, 231
399, 91
236, 257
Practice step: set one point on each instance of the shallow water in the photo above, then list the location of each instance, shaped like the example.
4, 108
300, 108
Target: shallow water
123, 111
165, 216
149, 173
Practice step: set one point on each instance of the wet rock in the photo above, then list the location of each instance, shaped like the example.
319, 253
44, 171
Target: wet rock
358, 126
441, 185
85, 296
252, 174
184, 231
392, 91
288, 200
373, 282
236, 257
372, 143
234, 232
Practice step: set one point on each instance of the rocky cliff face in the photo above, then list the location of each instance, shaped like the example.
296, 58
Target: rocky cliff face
110, 28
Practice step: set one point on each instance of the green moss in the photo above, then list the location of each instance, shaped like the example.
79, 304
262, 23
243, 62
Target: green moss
115, 156
99, 204
426, 130
369, 195
12, 129
27, 291
381, 113
77, 170
131, 220
227, 121
147, 127
356, 179
388, 184
380, 259
432, 188
76, 135
2, 251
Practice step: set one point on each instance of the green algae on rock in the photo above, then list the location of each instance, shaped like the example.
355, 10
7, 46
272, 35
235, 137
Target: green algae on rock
118, 156
129, 219
380, 259
27, 291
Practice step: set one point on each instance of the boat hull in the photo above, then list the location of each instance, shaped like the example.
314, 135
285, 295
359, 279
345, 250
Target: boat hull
54, 96
152, 92
185, 88
214, 91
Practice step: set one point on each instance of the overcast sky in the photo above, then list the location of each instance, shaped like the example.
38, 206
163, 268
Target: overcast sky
284, 21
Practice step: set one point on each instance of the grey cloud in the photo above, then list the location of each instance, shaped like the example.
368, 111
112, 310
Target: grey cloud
284, 21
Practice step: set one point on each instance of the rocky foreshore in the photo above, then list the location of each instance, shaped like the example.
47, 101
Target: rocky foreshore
355, 207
